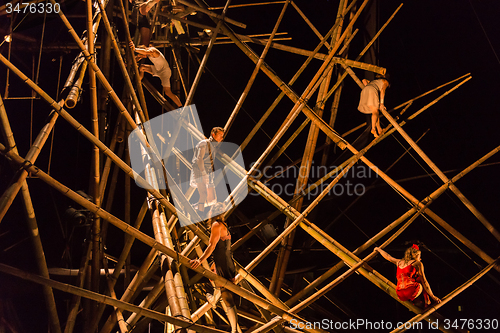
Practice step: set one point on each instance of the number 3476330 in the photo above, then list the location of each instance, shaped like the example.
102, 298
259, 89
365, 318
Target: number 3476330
32, 8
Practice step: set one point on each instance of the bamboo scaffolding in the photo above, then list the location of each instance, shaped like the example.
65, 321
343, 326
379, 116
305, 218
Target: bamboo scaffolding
256, 70
146, 239
105, 299
443, 177
449, 297
333, 246
300, 102
33, 225
266, 194
350, 271
282, 94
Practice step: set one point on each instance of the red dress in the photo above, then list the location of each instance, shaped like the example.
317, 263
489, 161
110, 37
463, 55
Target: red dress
409, 286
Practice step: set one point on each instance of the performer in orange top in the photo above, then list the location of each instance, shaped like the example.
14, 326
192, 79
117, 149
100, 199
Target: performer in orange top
410, 274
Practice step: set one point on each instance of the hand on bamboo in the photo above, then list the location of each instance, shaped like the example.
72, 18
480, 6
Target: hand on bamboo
436, 299
132, 46
195, 263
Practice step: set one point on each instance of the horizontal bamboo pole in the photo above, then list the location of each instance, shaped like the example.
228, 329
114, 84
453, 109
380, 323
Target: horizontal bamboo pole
104, 299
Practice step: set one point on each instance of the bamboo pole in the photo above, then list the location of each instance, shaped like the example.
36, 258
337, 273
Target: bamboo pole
448, 298
33, 225
442, 176
10, 193
212, 14
256, 70
74, 93
104, 299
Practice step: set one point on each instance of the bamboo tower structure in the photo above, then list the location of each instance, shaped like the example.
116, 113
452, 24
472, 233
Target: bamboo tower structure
91, 244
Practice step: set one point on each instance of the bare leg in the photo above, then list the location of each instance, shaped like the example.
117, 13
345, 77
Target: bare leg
375, 122
172, 96
232, 315
211, 196
202, 191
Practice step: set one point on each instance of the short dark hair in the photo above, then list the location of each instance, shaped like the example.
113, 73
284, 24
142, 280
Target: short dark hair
216, 129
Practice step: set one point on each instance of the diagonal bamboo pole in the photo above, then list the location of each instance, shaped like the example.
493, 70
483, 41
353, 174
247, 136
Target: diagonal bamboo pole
442, 176
105, 299
33, 225
256, 70
448, 298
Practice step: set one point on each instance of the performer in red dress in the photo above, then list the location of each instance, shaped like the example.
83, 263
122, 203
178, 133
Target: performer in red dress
410, 274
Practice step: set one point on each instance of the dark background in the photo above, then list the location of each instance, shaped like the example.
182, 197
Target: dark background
427, 44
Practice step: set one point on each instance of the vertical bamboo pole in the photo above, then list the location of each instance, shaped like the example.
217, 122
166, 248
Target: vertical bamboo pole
123, 68
256, 70
33, 225
95, 173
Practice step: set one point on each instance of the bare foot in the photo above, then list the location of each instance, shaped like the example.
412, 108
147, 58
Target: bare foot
374, 132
